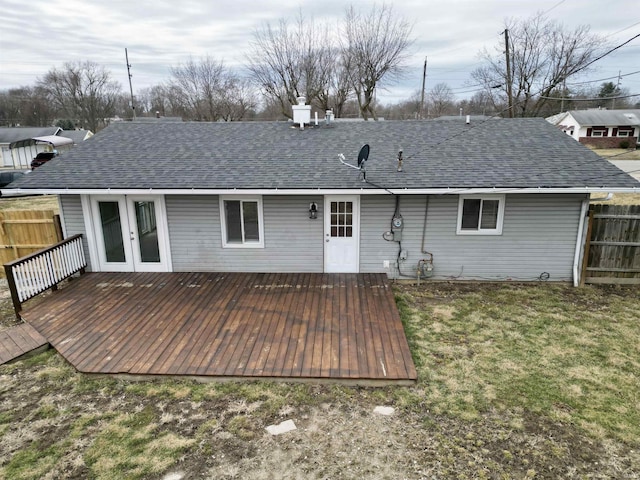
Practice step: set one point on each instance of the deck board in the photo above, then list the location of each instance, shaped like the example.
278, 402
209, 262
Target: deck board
19, 340
278, 325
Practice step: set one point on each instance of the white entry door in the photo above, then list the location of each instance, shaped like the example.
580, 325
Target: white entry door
130, 233
341, 233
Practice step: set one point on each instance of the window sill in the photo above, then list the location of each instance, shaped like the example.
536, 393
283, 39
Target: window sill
491, 233
243, 245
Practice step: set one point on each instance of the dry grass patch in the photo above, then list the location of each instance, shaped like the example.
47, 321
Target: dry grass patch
624, 199
132, 446
551, 349
535, 381
618, 153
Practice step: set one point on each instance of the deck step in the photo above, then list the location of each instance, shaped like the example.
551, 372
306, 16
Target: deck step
18, 341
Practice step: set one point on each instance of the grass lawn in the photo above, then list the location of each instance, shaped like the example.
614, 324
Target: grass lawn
618, 153
515, 381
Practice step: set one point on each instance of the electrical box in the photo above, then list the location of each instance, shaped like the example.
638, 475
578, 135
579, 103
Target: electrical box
397, 224
404, 254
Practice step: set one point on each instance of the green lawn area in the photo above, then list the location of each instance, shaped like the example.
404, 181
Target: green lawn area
515, 381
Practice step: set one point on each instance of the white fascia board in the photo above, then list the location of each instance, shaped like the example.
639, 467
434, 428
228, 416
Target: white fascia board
311, 191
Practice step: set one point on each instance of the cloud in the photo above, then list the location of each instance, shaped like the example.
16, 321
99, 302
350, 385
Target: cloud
42, 34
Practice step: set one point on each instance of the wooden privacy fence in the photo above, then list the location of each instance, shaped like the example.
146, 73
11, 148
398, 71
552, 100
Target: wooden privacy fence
612, 249
23, 232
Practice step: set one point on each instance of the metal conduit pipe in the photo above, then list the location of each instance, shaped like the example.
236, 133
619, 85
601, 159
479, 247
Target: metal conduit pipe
424, 226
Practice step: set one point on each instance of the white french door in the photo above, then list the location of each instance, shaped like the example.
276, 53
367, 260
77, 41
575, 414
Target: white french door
130, 233
341, 233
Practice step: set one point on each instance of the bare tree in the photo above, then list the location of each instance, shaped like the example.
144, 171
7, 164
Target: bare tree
480, 103
340, 90
374, 49
542, 55
441, 100
238, 99
198, 86
291, 61
154, 100
205, 91
408, 109
26, 106
83, 91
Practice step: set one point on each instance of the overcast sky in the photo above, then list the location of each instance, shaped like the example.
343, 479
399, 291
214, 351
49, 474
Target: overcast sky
40, 34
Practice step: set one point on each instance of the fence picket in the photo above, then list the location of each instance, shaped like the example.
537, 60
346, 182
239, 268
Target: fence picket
614, 253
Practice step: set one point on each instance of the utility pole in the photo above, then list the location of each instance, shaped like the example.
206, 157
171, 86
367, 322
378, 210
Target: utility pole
424, 78
133, 106
508, 59
616, 91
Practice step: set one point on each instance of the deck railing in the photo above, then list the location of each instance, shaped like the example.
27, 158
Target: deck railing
28, 276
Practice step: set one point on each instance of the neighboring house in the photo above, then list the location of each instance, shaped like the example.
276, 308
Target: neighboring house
78, 136
600, 128
20, 156
20, 145
483, 201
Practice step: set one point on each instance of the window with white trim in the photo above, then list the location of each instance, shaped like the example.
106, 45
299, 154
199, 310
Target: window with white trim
241, 220
599, 132
480, 214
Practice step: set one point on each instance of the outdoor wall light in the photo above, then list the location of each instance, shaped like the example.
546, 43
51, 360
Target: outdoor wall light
313, 210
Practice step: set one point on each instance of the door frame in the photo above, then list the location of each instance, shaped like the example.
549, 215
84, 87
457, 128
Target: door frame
89, 210
327, 226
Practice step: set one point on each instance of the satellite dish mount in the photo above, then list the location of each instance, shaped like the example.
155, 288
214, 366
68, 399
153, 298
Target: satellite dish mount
363, 156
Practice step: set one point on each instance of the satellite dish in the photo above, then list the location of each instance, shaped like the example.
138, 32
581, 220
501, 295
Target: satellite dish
363, 155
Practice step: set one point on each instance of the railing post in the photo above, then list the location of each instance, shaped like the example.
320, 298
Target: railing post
11, 281
38, 272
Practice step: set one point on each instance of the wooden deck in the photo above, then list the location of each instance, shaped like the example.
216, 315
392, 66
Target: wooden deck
285, 326
18, 341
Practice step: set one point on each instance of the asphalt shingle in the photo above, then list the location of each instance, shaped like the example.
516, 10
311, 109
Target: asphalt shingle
501, 153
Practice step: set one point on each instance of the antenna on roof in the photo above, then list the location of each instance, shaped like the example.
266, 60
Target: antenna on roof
363, 156
133, 105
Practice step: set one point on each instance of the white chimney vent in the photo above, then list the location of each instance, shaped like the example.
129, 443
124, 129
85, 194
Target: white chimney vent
329, 117
301, 113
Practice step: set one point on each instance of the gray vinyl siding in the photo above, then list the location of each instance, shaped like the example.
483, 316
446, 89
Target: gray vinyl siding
539, 235
292, 241
71, 210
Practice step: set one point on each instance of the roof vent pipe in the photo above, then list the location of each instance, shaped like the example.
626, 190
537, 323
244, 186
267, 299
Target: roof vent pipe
468, 119
328, 117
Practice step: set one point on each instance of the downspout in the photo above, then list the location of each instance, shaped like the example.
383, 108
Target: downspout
424, 225
576, 257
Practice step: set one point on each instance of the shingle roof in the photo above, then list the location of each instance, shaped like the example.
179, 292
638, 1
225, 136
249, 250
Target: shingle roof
607, 117
519, 153
14, 134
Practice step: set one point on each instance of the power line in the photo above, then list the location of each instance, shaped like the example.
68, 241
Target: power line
528, 176
552, 8
603, 79
620, 31
589, 99
479, 124
605, 54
